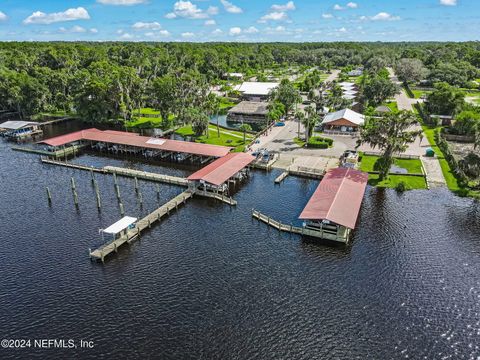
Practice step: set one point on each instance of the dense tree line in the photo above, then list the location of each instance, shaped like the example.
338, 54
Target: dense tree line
102, 81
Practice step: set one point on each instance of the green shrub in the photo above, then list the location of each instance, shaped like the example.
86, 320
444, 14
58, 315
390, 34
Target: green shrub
401, 187
319, 142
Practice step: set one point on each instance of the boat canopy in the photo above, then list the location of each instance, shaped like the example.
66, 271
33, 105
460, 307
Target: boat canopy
120, 225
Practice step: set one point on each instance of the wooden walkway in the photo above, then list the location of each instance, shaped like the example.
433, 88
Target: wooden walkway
141, 225
51, 154
123, 172
226, 199
322, 234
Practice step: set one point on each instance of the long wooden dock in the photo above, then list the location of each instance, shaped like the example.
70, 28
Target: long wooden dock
141, 225
71, 150
175, 180
226, 199
322, 234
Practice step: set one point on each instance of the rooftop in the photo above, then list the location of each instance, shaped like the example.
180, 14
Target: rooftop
346, 114
338, 197
257, 88
131, 139
250, 108
222, 169
120, 225
15, 125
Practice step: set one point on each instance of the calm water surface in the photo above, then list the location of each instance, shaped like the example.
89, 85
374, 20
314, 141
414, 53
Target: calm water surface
211, 283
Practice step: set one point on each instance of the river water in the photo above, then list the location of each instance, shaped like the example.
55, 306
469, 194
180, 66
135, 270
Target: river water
211, 283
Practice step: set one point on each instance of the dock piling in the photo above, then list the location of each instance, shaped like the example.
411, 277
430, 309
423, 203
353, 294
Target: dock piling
49, 195
122, 209
73, 183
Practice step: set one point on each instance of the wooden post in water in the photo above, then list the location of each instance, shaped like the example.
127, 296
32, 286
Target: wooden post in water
49, 195
93, 177
97, 193
115, 178
75, 197
117, 190
158, 191
73, 183
122, 210
136, 184
140, 198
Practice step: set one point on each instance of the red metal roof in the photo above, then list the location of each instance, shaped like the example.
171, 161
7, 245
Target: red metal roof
338, 197
124, 138
222, 169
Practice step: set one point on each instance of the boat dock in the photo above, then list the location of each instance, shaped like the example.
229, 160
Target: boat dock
281, 177
141, 225
175, 180
60, 153
321, 234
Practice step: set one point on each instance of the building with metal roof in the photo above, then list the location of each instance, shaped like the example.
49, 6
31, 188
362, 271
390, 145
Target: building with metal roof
256, 90
20, 129
215, 175
122, 141
345, 120
335, 204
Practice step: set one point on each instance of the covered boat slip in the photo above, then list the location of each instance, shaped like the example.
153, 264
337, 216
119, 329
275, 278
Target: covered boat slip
335, 204
20, 129
119, 142
216, 176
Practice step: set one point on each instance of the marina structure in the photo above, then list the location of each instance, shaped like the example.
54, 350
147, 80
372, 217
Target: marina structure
216, 176
119, 142
332, 211
18, 130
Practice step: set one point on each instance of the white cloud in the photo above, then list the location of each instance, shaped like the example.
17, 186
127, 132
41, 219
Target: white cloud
287, 7
327, 16
146, 26
381, 16
217, 32
39, 17
3, 17
448, 2
188, 35
251, 30
126, 36
342, 30
274, 16
94, 31
234, 31
188, 10
122, 2
230, 7
162, 33
350, 5
210, 22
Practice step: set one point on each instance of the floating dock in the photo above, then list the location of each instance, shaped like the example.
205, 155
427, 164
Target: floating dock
281, 177
141, 225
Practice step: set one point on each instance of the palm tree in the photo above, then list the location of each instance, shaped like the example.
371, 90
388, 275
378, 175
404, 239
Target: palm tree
245, 128
309, 121
300, 116
391, 135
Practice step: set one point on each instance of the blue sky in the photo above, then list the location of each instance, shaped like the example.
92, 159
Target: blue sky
240, 20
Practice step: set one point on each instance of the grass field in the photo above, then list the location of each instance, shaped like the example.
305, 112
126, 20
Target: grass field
411, 182
392, 106
419, 93
413, 166
227, 137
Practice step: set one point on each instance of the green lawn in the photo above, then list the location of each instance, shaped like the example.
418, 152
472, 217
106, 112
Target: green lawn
147, 111
392, 106
227, 137
411, 182
413, 166
299, 142
419, 93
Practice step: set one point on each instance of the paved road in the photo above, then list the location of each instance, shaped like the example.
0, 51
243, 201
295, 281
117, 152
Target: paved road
402, 99
333, 76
